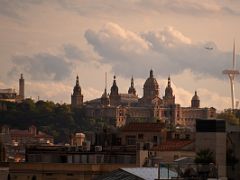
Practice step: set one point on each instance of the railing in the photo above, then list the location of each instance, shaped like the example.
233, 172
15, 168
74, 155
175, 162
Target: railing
187, 171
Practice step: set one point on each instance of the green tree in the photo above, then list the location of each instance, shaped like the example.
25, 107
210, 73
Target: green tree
231, 158
205, 156
229, 116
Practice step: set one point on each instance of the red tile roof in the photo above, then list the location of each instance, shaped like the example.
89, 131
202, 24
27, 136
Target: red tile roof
144, 126
172, 145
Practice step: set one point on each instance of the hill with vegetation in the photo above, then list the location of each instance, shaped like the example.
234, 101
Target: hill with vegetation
58, 120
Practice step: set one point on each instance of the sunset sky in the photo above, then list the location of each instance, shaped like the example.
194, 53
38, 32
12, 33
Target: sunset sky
52, 41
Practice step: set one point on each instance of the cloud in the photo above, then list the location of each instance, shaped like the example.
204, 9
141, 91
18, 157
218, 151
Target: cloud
185, 7
57, 91
14, 8
42, 66
73, 52
167, 51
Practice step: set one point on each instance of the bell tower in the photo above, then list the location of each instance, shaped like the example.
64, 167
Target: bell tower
132, 89
114, 96
169, 98
77, 97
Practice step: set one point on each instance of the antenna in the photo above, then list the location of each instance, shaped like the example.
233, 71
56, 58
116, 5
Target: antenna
106, 80
234, 55
231, 74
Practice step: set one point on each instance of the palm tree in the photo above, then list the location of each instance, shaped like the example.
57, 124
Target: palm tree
204, 156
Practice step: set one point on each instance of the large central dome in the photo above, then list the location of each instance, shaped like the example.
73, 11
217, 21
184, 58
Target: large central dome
151, 88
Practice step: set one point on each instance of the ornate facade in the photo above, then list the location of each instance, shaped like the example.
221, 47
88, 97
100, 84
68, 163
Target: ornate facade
119, 109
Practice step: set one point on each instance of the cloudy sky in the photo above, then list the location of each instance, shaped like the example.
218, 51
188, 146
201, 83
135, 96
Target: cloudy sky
50, 42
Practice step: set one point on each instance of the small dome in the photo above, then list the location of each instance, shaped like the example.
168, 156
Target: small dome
195, 97
151, 82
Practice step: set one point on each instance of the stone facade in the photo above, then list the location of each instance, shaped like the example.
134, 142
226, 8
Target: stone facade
118, 109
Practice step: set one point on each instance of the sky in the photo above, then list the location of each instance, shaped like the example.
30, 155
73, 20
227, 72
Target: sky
51, 42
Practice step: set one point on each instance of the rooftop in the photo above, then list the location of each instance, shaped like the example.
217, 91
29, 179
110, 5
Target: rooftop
143, 126
173, 145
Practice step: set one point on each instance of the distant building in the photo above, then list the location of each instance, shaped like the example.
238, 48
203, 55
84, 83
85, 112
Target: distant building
11, 95
15, 141
8, 95
125, 155
77, 97
77, 139
152, 133
118, 109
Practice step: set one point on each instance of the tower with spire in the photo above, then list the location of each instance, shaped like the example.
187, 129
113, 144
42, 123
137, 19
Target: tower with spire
105, 101
169, 98
114, 95
21, 87
132, 89
77, 97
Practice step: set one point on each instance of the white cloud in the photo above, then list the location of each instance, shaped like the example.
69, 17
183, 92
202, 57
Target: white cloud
41, 66
167, 51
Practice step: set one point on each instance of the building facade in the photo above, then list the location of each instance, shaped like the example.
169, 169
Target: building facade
118, 109
11, 95
15, 141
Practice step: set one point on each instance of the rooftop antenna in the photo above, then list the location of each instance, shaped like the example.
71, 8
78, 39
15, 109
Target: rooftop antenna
105, 80
231, 74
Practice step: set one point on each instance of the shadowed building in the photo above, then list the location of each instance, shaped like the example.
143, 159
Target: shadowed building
77, 97
121, 108
211, 134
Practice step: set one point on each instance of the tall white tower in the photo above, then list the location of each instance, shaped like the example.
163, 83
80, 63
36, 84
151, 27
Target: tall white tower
231, 74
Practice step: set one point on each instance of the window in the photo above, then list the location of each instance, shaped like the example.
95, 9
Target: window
131, 140
155, 138
140, 136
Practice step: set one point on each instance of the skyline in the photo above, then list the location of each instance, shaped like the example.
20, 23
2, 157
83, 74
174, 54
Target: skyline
52, 42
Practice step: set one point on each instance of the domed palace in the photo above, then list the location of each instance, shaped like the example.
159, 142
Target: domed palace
121, 108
